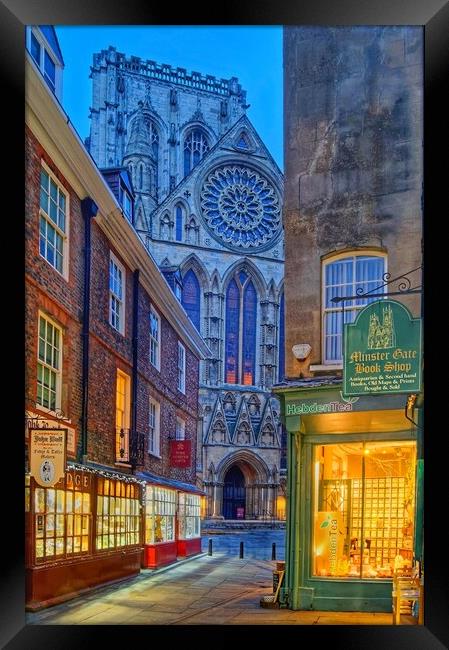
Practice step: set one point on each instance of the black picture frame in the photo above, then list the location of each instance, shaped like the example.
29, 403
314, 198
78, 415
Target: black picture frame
433, 16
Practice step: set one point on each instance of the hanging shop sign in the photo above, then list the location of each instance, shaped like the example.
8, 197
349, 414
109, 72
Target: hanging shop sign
47, 455
382, 351
180, 453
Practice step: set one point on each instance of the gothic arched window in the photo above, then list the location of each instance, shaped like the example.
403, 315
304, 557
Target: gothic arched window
281, 366
191, 297
241, 327
249, 334
178, 221
196, 145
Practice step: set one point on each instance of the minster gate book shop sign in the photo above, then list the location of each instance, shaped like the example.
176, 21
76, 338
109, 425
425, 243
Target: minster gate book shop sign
382, 351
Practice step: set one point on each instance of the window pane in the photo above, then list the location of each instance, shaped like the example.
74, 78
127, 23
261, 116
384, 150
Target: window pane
232, 332
191, 297
35, 49
249, 334
49, 68
364, 508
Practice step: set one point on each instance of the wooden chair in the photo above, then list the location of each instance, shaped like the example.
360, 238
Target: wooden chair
405, 590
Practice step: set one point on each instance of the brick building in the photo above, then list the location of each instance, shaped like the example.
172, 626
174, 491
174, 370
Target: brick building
112, 359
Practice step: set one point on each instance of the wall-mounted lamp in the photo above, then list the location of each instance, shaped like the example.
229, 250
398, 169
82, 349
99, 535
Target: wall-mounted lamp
301, 351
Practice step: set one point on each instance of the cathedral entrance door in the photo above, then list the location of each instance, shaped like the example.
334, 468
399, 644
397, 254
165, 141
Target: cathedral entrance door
234, 497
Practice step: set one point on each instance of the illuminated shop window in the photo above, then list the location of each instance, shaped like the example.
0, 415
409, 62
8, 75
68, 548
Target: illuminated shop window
346, 276
364, 504
118, 514
241, 327
62, 520
160, 512
189, 515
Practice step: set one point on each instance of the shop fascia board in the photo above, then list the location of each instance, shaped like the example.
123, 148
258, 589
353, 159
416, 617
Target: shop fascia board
51, 126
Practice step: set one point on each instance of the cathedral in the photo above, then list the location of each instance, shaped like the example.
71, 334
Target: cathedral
208, 206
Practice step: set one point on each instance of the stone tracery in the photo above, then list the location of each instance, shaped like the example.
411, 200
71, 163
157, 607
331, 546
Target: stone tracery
240, 206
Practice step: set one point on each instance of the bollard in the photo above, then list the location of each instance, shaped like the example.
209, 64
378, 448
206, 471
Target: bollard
273, 551
241, 551
209, 552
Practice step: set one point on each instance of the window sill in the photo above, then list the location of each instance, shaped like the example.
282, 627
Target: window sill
122, 463
152, 453
56, 414
328, 366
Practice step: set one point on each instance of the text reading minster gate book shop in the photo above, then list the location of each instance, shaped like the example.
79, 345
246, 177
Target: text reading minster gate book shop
382, 351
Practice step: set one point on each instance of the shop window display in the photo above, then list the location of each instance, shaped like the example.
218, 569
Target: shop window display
62, 521
363, 509
160, 512
118, 514
189, 516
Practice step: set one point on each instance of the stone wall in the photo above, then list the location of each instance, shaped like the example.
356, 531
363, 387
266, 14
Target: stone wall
354, 138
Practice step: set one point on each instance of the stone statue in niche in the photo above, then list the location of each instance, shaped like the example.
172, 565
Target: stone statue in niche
243, 437
173, 97
120, 84
172, 137
218, 433
120, 122
267, 436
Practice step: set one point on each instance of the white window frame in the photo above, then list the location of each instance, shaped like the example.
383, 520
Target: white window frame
326, 310
180, 433
45, 47
44, 364
154, 439
64, 234
113, 296
181, 368
125, 424
155, 343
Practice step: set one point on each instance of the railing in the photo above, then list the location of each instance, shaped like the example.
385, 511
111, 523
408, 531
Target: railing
129, 447
122, 445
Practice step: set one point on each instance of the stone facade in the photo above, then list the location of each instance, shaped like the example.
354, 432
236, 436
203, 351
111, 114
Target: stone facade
208, 201
354, 160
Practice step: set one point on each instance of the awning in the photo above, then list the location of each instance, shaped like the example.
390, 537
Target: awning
172, 483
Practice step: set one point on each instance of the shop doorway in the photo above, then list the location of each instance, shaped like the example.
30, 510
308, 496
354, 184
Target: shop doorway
234, 494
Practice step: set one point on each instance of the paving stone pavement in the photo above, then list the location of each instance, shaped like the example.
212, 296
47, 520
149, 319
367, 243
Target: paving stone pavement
205, 590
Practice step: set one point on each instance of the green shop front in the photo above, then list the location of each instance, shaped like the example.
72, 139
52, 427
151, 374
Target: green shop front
354, 497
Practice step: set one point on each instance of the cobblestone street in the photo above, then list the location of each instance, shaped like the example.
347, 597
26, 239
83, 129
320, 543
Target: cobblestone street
206, 590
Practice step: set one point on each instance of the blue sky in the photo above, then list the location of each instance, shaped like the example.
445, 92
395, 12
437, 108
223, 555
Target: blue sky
253, 54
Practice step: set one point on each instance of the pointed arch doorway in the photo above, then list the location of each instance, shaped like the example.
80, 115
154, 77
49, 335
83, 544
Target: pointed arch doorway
234, 494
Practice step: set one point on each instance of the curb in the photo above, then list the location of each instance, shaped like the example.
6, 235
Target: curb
152, 572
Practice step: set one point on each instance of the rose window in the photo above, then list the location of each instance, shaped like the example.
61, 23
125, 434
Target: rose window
240, 206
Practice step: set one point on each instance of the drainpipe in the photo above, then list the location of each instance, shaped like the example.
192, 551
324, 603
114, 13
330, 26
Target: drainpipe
89, 210
134, 370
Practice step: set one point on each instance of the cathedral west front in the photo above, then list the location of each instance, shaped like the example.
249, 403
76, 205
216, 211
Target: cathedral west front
208, 206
